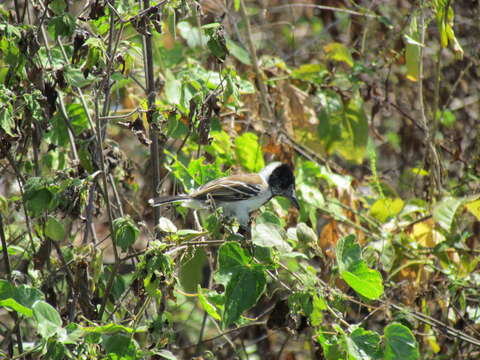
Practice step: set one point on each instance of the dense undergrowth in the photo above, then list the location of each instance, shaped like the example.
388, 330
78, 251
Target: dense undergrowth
105, 104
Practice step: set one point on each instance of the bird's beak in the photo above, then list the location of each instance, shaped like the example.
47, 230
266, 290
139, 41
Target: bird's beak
294, 199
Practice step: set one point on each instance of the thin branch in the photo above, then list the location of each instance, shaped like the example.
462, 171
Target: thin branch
240, 328
322, 7
253, 57
9, 278
150, 85
109, 211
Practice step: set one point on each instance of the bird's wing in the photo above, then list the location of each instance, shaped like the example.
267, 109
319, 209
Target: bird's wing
231, 188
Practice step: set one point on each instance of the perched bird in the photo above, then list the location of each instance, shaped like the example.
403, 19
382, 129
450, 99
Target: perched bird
240, 194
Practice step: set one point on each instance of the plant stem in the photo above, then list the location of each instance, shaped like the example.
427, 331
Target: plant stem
9, 278
154, 146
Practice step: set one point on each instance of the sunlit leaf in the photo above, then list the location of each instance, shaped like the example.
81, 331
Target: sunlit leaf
270, 235
384, 209
206, 305
167, 225
338, 52
444, 211
249, 152
412, 50
474, 208
354, 270
48, 320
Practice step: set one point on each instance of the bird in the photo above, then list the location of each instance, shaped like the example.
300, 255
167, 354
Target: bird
239, 195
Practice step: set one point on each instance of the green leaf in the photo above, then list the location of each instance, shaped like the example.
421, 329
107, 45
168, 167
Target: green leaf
120, 344
7, 122
192, 34
48, 320
198, 172
14, 305
112, 329
62, 25
76, 78
363, 344
311, 195
217, 44
354, 270
173, 88
77, 118
245, 281
316, 316
58, 6
171, 21
206, 305
270, 235
54, 229
166, 225
310, 72
301, 303
412, 50
338, 52
444, 211
385, 209
165, 354
231, 256
191, 274
39, 196
305, 234
19, 298
242, 292
249, 152
343, 127
446, 118
126, 232
238, 52
400, 343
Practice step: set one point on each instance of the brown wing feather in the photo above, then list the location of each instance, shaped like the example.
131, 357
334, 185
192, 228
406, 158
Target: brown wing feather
231, 188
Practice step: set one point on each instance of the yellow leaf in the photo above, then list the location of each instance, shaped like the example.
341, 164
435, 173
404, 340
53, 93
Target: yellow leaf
338, 52
424, 234
474, 208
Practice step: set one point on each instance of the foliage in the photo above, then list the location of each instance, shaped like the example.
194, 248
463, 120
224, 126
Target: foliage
105, 104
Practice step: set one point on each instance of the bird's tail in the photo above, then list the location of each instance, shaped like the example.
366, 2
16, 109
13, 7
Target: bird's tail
167, 199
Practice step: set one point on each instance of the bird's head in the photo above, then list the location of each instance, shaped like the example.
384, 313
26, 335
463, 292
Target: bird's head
281, 180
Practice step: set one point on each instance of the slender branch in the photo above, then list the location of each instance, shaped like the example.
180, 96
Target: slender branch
5, 250
322, 7
9, 278
154, 146
89, 213
240, 328
254, 59
109, 211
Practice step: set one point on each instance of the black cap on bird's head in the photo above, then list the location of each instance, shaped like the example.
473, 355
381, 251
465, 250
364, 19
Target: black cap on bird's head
281, 180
